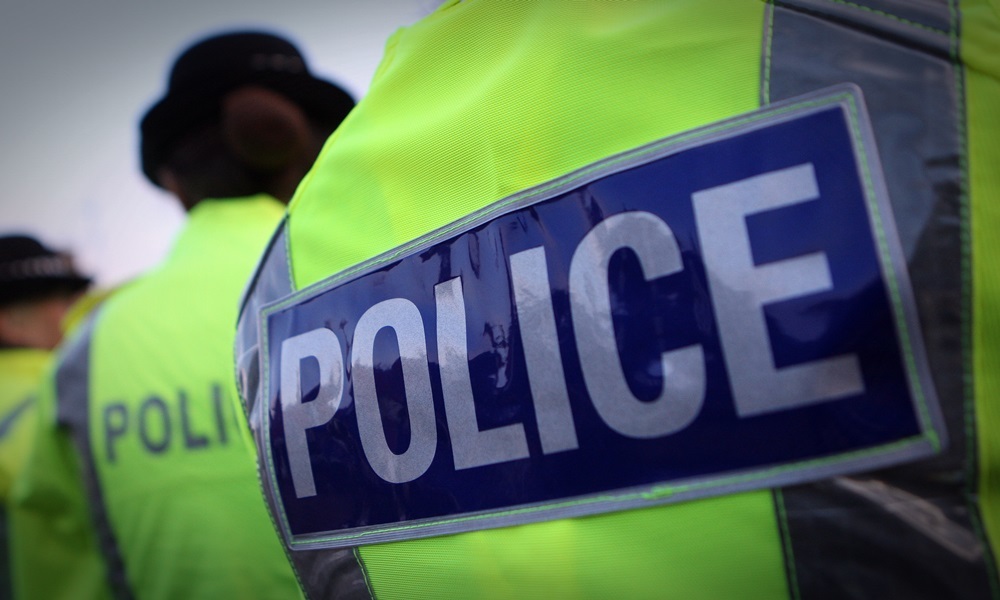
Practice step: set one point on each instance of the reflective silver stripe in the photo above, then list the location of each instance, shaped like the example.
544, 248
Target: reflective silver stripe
921, 26
9, 419
73, 414
863, 536
908, 87
323, 574
332, 574
272, 280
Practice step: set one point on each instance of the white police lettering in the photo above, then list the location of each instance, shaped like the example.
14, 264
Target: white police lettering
403, 318
323, 346
683, 389
740, 290
533, 300
471, 446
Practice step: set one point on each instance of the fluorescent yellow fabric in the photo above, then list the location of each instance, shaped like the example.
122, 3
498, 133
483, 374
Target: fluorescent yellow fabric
695, 550
83, 307
435, 140
53, 548
20, 374
177, 478
981, 55
483, 99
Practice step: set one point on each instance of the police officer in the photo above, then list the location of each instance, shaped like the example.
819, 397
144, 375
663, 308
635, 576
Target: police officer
142, 484
643, 300
38, 286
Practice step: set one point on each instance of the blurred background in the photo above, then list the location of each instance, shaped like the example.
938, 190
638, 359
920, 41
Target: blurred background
77, 77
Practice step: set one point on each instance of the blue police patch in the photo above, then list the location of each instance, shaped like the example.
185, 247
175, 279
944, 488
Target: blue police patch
723, 310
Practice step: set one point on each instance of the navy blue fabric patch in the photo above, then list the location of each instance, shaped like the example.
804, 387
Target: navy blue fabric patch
725, 311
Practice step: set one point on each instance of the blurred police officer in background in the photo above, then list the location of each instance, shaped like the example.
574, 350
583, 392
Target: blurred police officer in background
607, 301
141, 483
38, 286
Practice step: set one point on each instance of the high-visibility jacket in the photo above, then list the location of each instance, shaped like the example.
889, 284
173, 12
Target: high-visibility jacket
483, 108
141, 484
20, 373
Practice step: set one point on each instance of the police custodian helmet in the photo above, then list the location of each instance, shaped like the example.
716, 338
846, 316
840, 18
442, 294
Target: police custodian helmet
204, 73
30, 270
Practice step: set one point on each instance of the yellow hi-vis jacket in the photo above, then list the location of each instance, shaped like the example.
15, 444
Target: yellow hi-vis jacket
620, 300
141, 483
20, 373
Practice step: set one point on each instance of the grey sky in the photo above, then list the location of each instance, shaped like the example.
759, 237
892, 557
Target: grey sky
77, 77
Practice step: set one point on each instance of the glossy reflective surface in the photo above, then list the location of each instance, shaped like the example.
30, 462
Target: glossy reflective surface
729, 313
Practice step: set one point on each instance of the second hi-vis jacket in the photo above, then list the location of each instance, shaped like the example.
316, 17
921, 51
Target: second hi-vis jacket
20, 373
141, 484
645, 300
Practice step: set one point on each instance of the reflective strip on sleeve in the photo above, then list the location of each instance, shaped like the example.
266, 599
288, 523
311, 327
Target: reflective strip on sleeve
328, 574
914, 528
270, 282
73, 413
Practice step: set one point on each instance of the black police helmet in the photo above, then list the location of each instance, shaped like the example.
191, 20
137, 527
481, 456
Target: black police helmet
29, 270
204, 73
